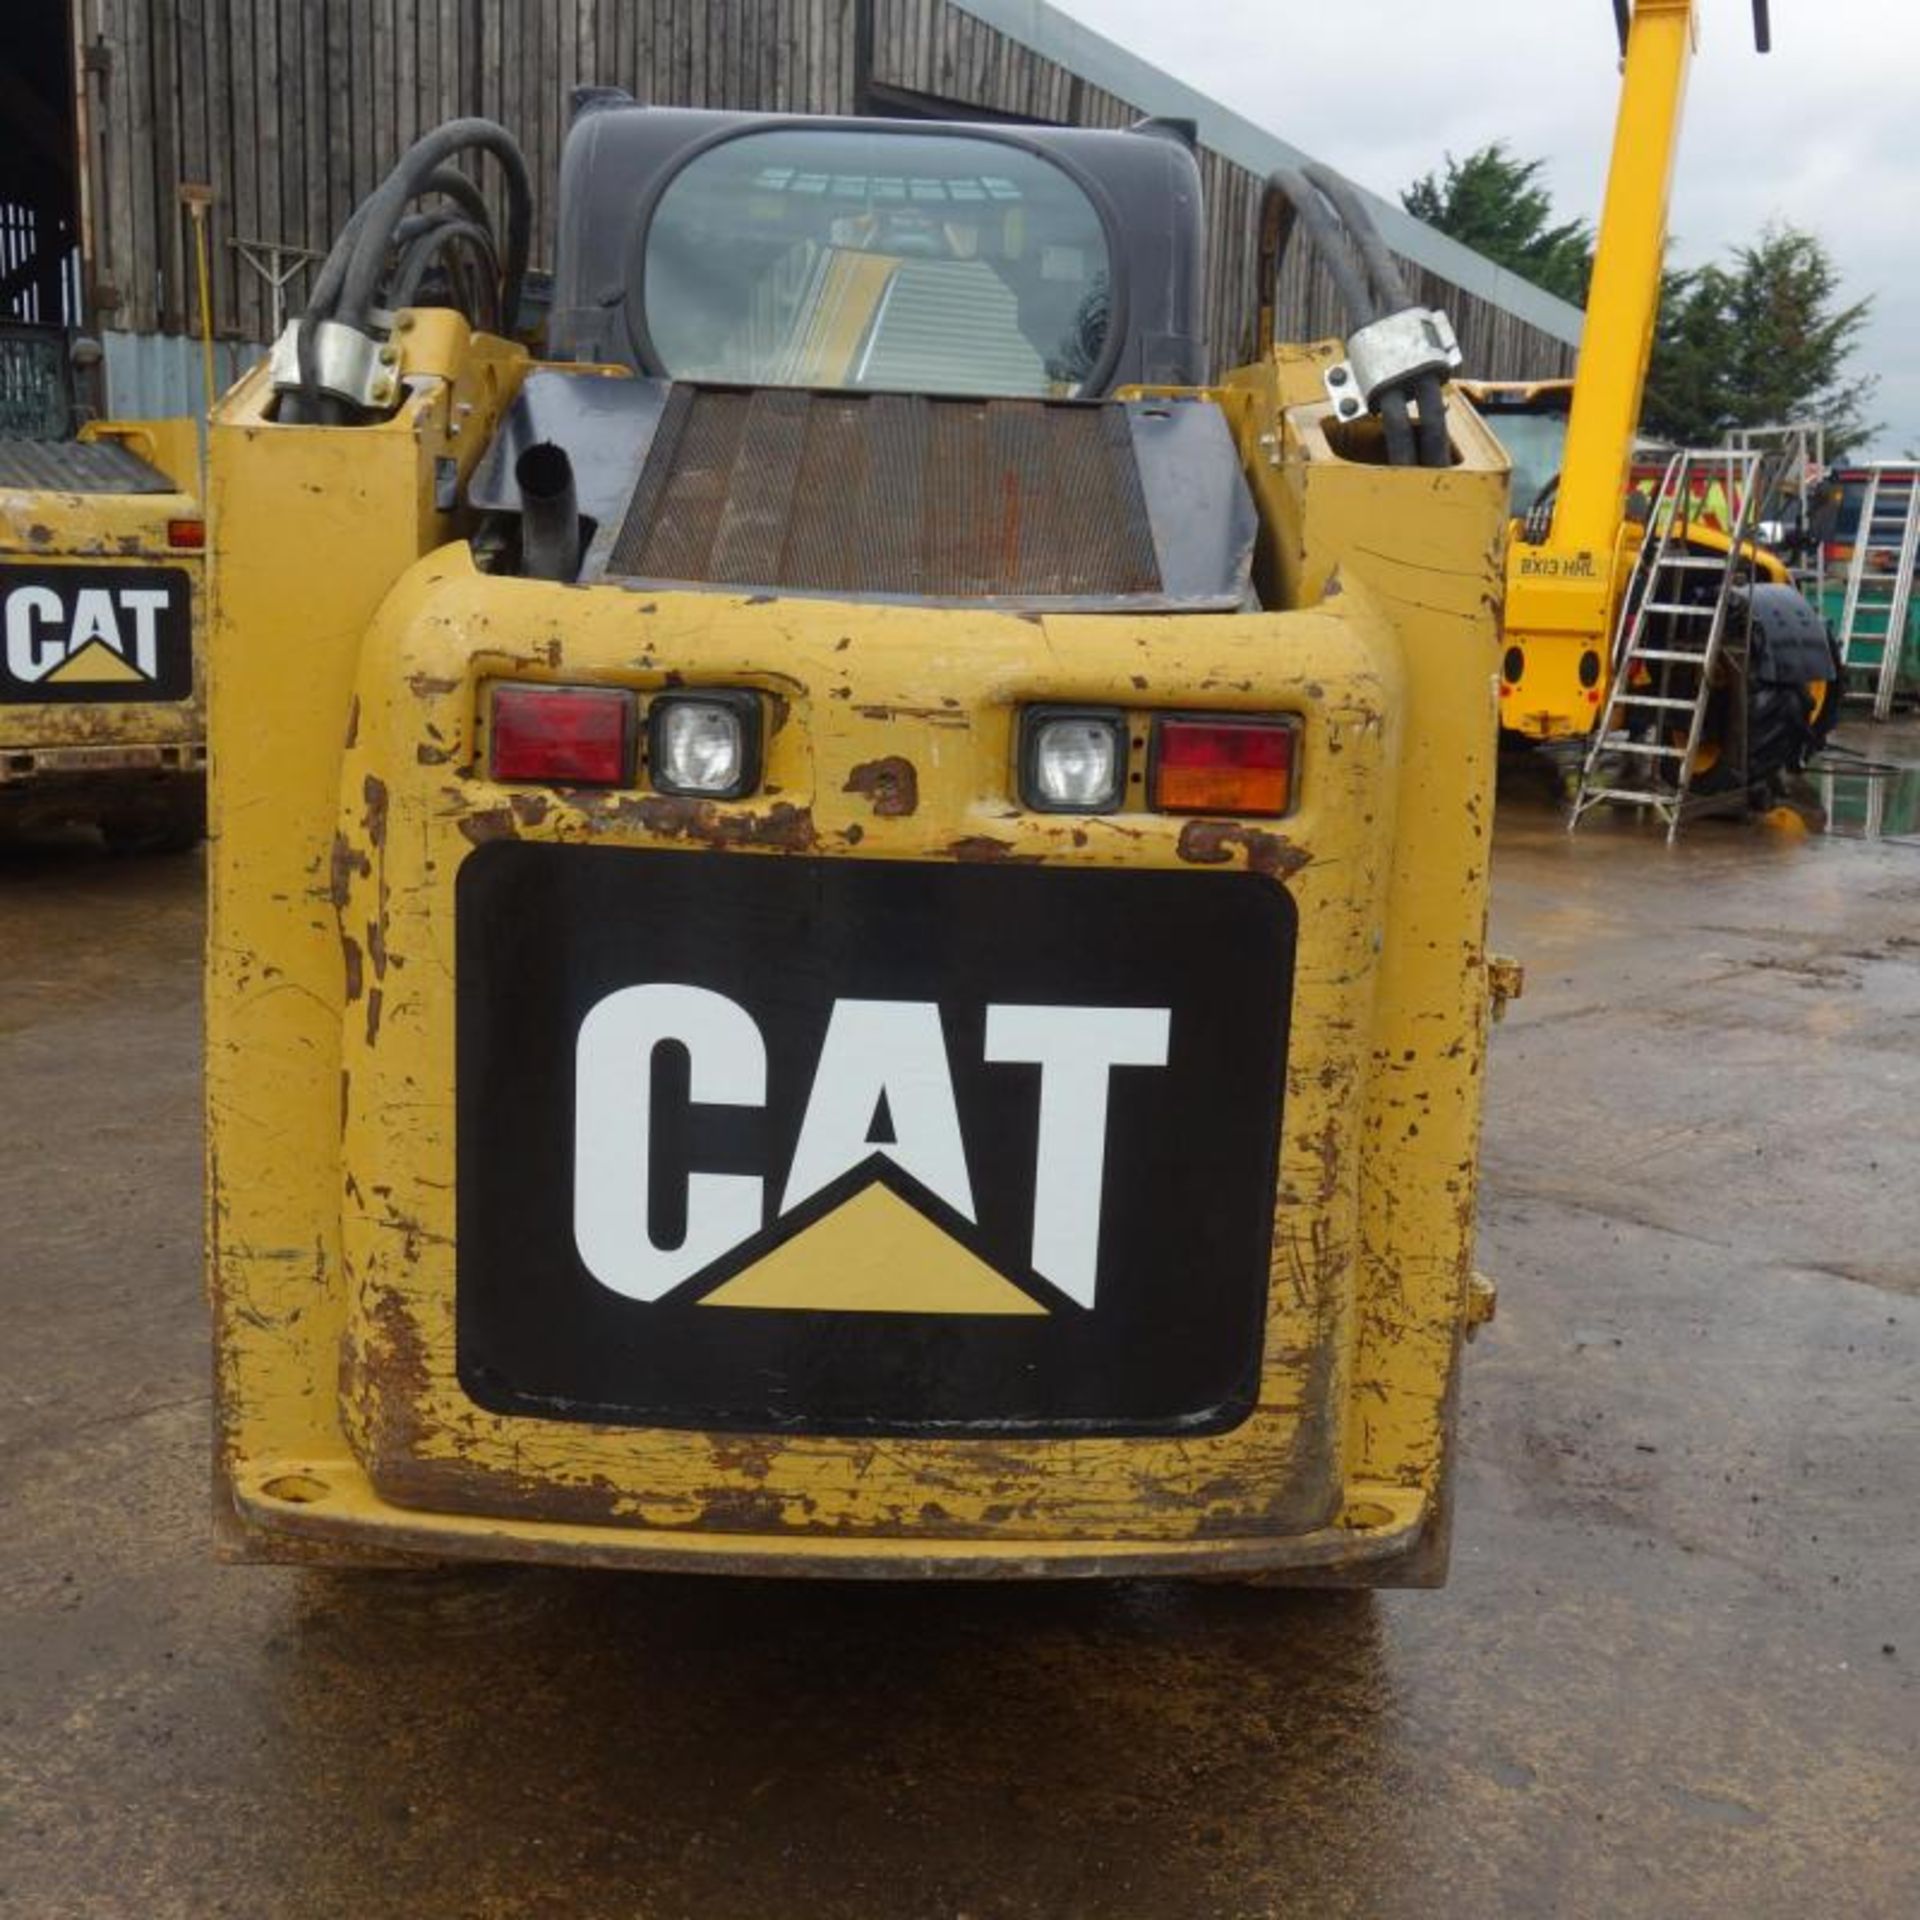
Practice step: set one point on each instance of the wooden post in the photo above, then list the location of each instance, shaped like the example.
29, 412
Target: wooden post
197, 198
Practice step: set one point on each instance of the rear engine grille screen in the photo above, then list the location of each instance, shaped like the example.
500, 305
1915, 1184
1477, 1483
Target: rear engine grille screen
898, 494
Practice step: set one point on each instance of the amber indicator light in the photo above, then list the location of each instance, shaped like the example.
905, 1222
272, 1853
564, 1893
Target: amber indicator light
1221, 764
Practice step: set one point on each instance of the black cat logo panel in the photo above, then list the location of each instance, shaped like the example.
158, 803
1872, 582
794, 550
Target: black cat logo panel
843, 1146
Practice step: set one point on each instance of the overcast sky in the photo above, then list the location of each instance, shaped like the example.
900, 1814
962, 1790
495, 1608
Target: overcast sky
1824, 132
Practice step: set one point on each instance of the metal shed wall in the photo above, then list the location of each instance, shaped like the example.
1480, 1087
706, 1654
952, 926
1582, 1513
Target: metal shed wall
292, 110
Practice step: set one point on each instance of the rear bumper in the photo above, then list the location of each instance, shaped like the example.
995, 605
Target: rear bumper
329, 1511
144, 762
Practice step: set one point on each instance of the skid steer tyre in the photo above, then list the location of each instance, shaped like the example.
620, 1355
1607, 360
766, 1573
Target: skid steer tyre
1792, 699
176, 823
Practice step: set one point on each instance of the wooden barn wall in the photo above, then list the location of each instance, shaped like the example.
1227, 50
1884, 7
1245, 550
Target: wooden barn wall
292, 110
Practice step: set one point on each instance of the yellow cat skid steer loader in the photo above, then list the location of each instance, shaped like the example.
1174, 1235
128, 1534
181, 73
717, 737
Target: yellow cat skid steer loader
101, 713
847, 922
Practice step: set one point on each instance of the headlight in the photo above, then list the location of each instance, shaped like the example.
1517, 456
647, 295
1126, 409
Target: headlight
705, 743
1073, 760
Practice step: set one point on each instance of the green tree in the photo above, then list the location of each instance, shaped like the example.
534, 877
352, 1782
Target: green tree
1759, 340
1495, 204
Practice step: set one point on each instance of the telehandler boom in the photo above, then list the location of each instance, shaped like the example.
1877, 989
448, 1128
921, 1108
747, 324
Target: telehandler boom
1576, 543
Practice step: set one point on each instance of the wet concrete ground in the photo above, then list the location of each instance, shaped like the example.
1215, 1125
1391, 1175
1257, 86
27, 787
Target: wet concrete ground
1674, 1674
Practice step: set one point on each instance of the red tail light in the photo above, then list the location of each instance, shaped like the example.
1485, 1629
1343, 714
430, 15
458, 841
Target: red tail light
187, 533
562, 736
1223, 764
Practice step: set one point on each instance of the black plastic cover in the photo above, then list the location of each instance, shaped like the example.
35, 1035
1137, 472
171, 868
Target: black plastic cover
1791, 645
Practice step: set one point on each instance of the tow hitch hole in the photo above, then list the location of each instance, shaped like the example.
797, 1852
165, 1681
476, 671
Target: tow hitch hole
1365, 1514
297, 1489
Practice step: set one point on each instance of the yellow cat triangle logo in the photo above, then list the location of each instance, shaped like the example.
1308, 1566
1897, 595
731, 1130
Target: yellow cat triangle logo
873, 1254
96, 661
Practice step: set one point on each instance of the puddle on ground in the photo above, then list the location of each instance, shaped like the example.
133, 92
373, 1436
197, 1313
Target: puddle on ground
1869, 800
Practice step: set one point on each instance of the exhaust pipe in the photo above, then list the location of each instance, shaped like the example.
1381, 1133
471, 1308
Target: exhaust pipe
549, 513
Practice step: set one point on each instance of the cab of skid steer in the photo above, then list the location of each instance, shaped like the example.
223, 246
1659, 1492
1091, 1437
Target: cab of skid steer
851, 915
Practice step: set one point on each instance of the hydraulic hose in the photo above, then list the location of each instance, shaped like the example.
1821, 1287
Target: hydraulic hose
428, 246
1349, 283
1336, 220
1323, 231
1392, 295
1383, 270
407, 182
1396, 424
349, 280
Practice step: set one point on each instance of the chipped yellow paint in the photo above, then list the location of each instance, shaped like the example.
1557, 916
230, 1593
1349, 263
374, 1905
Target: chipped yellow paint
352, 645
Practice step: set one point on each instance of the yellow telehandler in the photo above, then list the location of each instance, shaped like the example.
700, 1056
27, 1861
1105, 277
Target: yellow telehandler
1620, 620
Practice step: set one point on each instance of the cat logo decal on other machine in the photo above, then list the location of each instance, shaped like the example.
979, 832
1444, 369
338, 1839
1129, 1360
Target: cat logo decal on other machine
1001, 1159
95, 634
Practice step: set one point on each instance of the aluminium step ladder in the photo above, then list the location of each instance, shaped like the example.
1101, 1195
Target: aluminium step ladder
1673, 633
1797, 452
1873, 616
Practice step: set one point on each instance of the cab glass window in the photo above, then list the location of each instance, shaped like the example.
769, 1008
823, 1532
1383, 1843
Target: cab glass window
920, 263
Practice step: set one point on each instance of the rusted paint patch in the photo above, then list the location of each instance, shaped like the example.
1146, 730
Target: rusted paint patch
354, 963
374, 790
743, 1510
748, 1454
943, 716
394, 1370
1210, 843
353, 723
675, 817
429, 756
891, 785
374, 1000
426, 685
347, 863
490, 823
983, 848
530, 808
